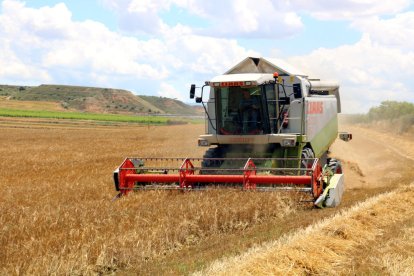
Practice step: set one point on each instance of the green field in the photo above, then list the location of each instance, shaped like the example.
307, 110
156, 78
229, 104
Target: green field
91, 116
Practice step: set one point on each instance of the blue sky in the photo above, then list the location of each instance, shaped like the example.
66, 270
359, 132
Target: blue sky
160, 47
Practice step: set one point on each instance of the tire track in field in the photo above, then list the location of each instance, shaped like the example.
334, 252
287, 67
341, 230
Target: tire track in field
386, 142
384, 158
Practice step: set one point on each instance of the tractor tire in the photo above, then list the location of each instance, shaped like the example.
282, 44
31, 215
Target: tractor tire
307, 153
212, 153
217, 152
335, 165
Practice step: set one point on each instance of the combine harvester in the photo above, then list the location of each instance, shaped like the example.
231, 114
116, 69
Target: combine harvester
268, 127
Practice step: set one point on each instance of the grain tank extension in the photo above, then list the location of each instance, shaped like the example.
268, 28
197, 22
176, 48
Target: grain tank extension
268, 127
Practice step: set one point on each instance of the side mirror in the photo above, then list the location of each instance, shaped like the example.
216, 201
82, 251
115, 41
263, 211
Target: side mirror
192, 91
284, 100
199, 100
297, 91
345, 136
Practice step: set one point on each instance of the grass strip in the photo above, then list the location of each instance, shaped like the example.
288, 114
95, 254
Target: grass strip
84, 116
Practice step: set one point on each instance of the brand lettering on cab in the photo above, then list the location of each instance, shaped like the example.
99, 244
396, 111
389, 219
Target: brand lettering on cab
315, 107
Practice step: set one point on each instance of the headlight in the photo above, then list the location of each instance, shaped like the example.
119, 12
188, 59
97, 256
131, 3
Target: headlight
288, 142
203, 143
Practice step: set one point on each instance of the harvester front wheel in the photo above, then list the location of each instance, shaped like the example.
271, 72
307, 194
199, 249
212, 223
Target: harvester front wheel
208, 164
335, 165
210, 154
307, 158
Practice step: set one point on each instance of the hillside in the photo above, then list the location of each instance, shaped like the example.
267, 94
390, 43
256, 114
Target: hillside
171, 106
96, 100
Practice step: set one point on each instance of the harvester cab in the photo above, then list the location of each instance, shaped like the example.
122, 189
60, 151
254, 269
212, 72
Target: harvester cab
268, 127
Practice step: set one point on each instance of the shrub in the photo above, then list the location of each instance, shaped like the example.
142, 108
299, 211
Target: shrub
389, 110
392, 114
405, 123
65, 105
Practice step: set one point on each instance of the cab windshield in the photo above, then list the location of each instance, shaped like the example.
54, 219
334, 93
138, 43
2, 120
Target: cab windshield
242, 110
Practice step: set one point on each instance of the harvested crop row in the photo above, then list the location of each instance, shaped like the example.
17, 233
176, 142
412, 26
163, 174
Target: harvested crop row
326, 247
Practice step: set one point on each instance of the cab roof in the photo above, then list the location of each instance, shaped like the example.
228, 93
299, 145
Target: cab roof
254, 77
265, 65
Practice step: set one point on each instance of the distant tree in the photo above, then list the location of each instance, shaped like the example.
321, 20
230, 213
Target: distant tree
389, 110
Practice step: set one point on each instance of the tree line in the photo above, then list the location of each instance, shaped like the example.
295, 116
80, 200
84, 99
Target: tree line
390, 110
398, 115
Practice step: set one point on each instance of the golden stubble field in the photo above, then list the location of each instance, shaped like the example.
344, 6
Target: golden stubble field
57, 216
370, 236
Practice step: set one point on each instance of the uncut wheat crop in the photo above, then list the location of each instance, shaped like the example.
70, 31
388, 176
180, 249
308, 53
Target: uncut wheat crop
57, 216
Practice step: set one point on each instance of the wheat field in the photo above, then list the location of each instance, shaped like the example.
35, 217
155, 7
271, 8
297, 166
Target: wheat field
334, 245
57, 216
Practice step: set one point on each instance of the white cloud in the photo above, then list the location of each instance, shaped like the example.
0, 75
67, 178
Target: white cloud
244, 18
17, 71
368, 72
169, 91
139, 16
396, 32
258, 19
204, 54
349, 9
230, 18
48, 40
379, 67
33, 26
47, 45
